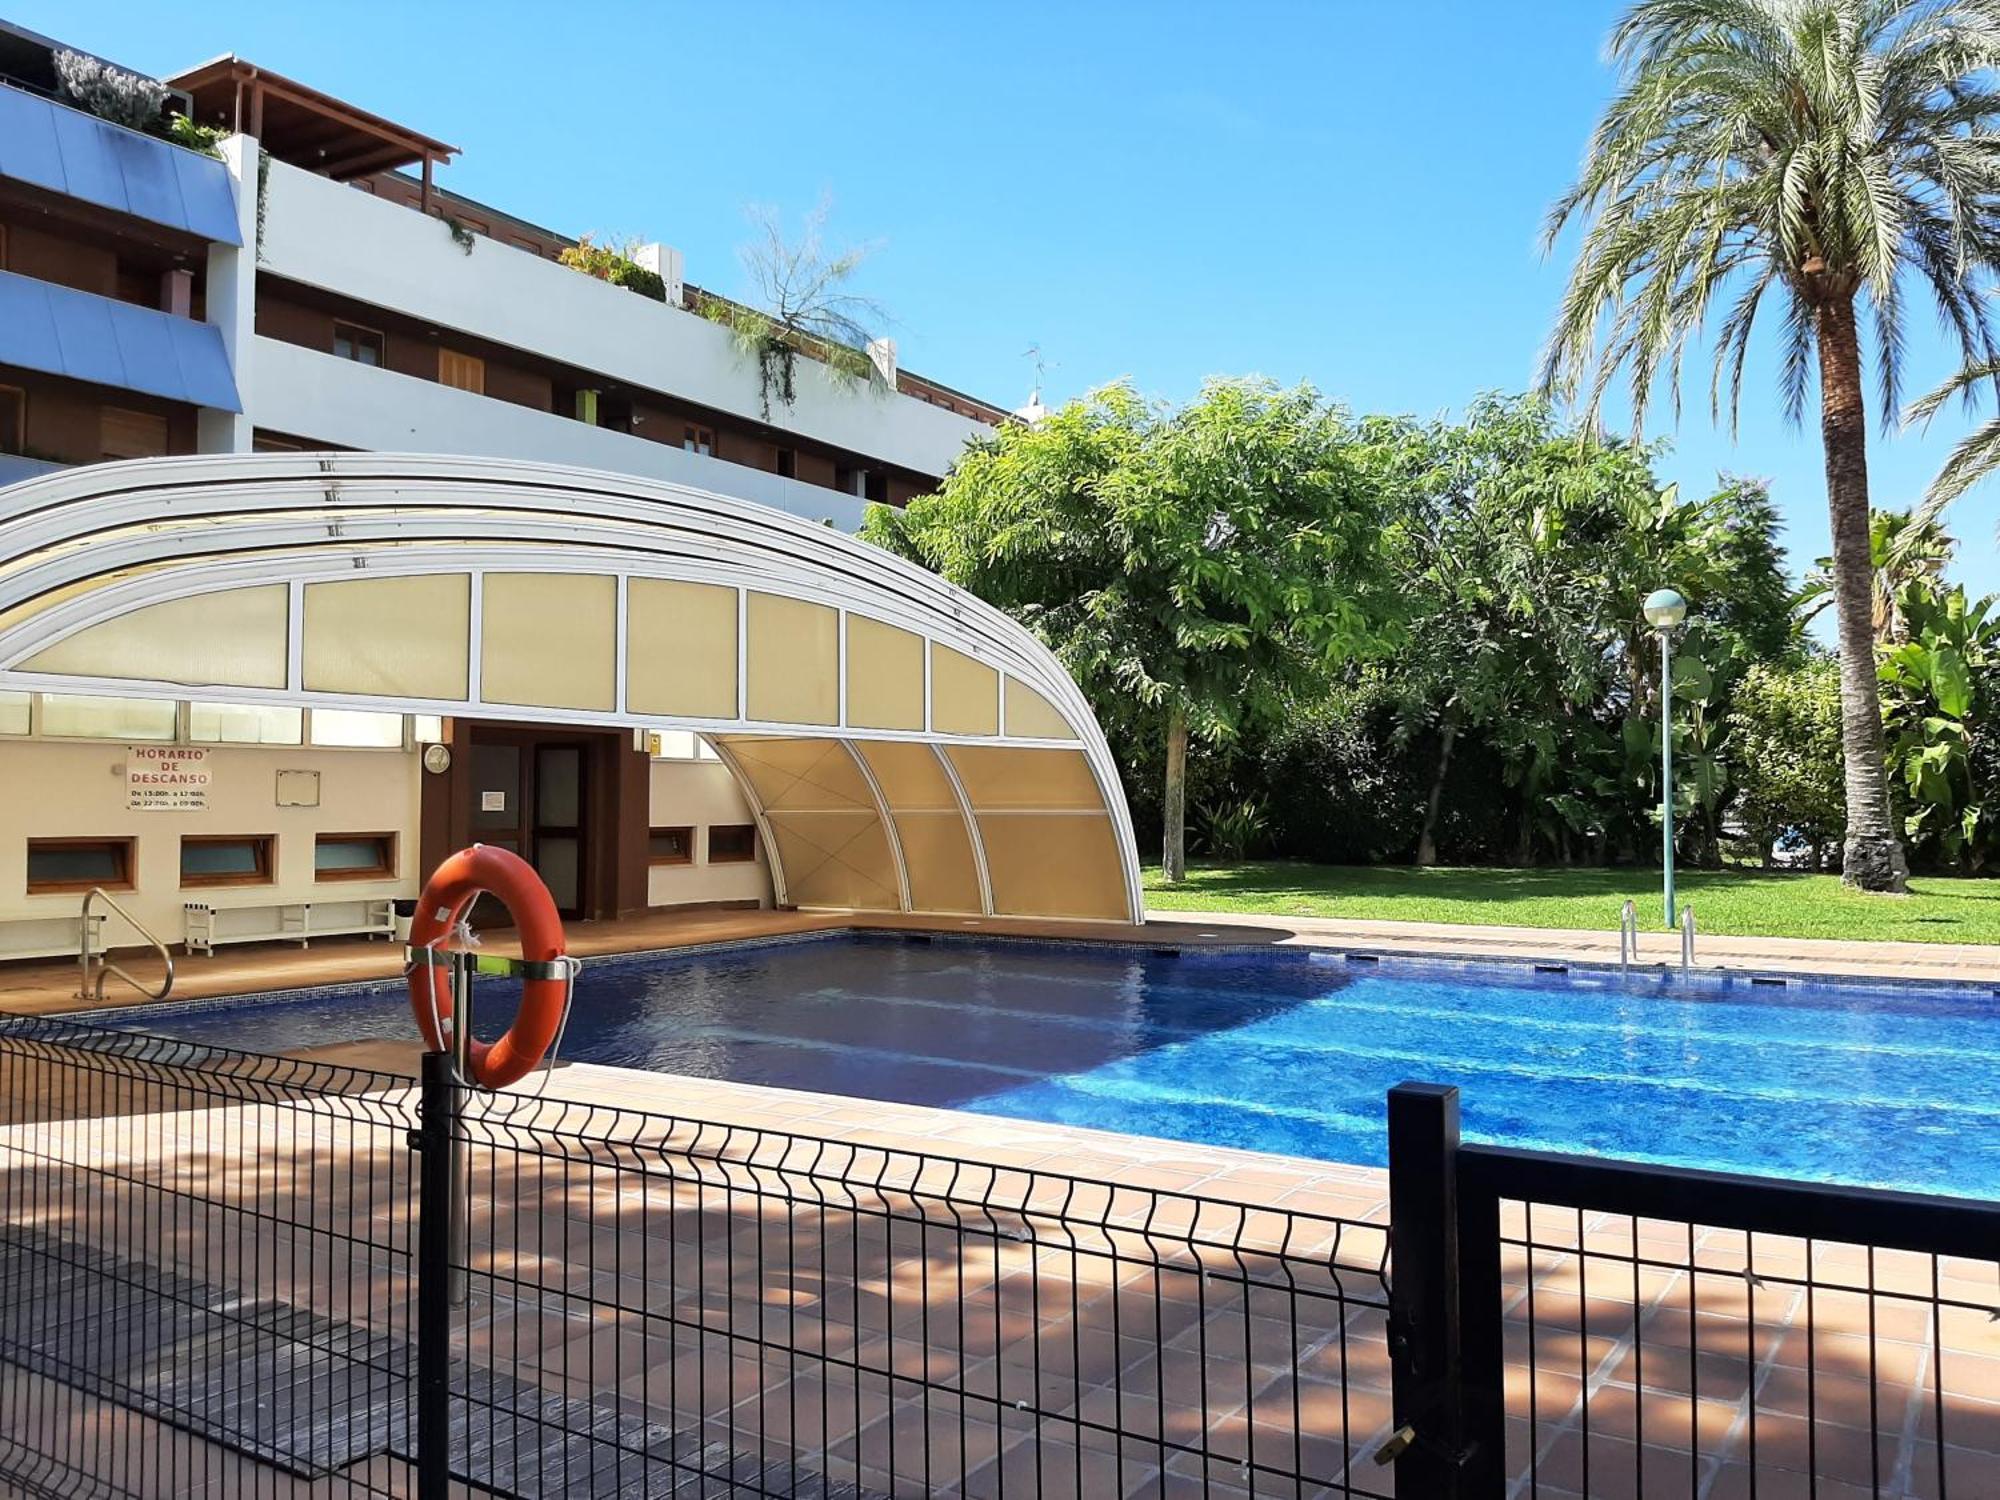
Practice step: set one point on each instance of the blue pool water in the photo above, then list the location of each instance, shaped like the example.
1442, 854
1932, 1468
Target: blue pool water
1283, 1050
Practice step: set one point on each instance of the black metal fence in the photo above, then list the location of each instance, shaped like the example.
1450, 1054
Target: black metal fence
206, 1269
227, 1274
238, 1275
1578, 1327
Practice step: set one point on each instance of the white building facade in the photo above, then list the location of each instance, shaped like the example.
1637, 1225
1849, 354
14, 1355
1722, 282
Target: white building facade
299, 291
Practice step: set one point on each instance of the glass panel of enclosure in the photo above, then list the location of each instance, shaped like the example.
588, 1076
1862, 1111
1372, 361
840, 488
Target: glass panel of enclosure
65, 716
349, 728
245, 724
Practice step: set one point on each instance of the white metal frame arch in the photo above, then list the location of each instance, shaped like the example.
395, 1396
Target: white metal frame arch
85, 546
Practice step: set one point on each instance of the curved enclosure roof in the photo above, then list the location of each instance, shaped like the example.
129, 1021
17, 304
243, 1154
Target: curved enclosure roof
904, 745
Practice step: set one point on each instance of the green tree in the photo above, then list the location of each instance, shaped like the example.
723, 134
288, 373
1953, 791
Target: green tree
1193, 568
1784, 751
1940, 682
1827, 150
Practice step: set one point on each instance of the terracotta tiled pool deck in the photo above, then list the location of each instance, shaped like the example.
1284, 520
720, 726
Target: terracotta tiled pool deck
890, 1347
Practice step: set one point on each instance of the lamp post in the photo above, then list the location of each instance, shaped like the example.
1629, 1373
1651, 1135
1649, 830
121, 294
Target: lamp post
1664, 610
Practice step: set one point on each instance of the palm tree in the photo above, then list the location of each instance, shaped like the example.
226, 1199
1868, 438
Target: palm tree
1904, 547
1978, 452
1818, 149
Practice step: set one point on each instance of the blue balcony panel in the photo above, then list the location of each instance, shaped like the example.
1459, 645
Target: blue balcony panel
66, 151
61, 331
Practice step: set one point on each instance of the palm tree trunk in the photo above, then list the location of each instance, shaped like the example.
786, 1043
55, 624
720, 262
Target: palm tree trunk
1173, 810
1427, 854
1873, 855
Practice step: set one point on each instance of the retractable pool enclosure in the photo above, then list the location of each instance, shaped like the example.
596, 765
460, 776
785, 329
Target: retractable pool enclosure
903, 746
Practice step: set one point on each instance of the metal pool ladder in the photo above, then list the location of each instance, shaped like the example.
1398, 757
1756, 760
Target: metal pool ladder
1687, 938
105, 967
1628, 937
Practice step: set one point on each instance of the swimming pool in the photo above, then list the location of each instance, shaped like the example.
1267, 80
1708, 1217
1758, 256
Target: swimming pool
1281, 1050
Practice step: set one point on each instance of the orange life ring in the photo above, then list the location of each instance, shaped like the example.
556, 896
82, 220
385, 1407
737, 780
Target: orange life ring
451, 890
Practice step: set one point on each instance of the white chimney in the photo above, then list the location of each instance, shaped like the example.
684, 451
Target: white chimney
666, 262
882, 353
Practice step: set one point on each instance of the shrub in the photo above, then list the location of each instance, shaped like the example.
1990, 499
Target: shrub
614, 266
111, 93
205, 139
1785, 755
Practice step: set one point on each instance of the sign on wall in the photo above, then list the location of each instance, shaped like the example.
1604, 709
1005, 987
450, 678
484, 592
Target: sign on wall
166, 778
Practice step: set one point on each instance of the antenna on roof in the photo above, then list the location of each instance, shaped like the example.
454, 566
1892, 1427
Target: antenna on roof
1034, 411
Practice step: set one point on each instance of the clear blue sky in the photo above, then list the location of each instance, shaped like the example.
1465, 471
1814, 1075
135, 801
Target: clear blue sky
1347, 193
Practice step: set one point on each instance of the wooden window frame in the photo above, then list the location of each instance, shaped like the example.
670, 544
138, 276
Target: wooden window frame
126, 862
18, 397
686, 832
266, 845
381, 343
749, 857
166, 431
384, 869
474, 362
696, 438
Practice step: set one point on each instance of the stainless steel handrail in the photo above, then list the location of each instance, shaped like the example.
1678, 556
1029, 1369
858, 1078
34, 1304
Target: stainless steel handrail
1687, 937
1628, 936
105, 967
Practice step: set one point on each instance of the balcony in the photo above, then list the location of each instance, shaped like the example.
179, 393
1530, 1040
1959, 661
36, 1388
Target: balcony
322, 234
332, 400
62, 150
58, 330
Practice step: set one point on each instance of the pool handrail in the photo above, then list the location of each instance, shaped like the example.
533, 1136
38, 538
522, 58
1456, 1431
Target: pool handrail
105, 967
1628, 936
1687, 938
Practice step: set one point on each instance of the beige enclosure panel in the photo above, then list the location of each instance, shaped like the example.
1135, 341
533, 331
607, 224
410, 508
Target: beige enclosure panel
389, 637
550, 639
821, 813
1003, 776
1030, 716
929, 822
235, 638
965, 694
794, 661
1054, 865
885, 675
680, 649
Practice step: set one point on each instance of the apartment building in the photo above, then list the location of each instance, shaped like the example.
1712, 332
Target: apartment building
300, 282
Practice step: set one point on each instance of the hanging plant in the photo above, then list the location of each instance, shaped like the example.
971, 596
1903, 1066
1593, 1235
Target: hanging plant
803, 309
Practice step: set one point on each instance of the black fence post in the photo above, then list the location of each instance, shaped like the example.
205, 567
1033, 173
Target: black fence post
436, 1127
1424, 1334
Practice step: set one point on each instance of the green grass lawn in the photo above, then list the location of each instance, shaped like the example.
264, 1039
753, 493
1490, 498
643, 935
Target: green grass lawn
1737, 903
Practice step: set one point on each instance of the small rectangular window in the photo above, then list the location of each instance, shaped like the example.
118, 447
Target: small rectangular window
78, 717
466, 372
673, 846
56, 866
245, 724
357, 729
132, 434
362, 345
732, 843
788, 464
13, 419
354, 856
226, 859
875, 487
674, 744
699, 440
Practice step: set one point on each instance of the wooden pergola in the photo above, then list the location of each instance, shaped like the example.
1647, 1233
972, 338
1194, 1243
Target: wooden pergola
299, 124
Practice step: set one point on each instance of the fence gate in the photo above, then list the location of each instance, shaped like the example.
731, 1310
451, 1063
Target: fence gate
1583, 1327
